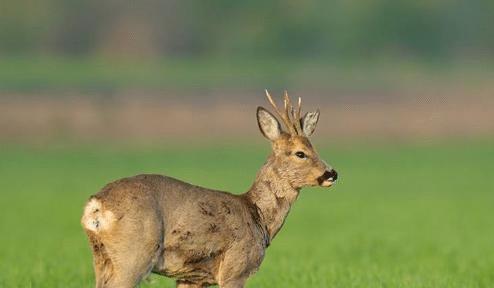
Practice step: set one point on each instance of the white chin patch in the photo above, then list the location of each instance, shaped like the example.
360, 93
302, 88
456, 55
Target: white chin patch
327, 183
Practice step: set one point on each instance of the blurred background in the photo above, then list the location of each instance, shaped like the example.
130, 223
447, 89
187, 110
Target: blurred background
93, 70
92, 91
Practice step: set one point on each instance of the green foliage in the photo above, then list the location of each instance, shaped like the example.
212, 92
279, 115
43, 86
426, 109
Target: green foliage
105, 76
96, 74
401, 216
238, 29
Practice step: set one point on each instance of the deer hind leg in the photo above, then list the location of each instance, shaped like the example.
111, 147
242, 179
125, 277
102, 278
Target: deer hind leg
125, 247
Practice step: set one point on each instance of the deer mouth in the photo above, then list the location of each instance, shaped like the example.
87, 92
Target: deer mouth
326, 183
328, 178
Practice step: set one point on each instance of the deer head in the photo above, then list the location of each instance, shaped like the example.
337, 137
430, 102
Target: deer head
293, 156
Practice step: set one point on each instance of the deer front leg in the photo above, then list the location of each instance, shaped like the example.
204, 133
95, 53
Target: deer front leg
236, 267
185, 284
234, 283
232, 274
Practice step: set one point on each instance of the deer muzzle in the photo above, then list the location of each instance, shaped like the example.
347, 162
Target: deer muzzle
328, 178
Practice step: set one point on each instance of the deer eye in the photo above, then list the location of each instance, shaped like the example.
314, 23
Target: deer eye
300, 154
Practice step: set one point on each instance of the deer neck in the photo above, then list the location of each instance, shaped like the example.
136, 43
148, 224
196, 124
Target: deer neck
273, 197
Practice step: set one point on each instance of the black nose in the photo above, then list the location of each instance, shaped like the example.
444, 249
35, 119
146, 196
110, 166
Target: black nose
328, 175
331, 174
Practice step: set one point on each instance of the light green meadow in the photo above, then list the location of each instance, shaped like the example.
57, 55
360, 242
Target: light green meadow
414, 215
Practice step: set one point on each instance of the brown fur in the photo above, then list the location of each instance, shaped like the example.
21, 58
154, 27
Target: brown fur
199, 236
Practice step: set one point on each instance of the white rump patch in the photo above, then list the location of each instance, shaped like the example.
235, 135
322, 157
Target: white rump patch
95, 218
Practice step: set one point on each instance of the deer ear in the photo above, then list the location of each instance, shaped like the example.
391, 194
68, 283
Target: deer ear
269, 126
309, 122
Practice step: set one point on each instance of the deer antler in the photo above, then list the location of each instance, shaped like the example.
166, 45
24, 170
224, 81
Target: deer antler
290, 118
297, 117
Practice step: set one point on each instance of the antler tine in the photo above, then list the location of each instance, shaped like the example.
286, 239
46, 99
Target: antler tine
285, 102
271, 101
288, 104
289, 113
297, 115
284, 118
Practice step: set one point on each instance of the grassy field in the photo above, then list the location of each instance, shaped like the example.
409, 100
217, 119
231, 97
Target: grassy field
401, 216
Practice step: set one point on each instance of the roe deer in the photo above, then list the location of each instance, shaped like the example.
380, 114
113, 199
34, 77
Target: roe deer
200, 236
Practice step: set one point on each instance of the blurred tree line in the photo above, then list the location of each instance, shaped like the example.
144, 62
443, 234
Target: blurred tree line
304, 29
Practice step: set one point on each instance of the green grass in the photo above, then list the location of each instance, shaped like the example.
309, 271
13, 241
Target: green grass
401, 216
